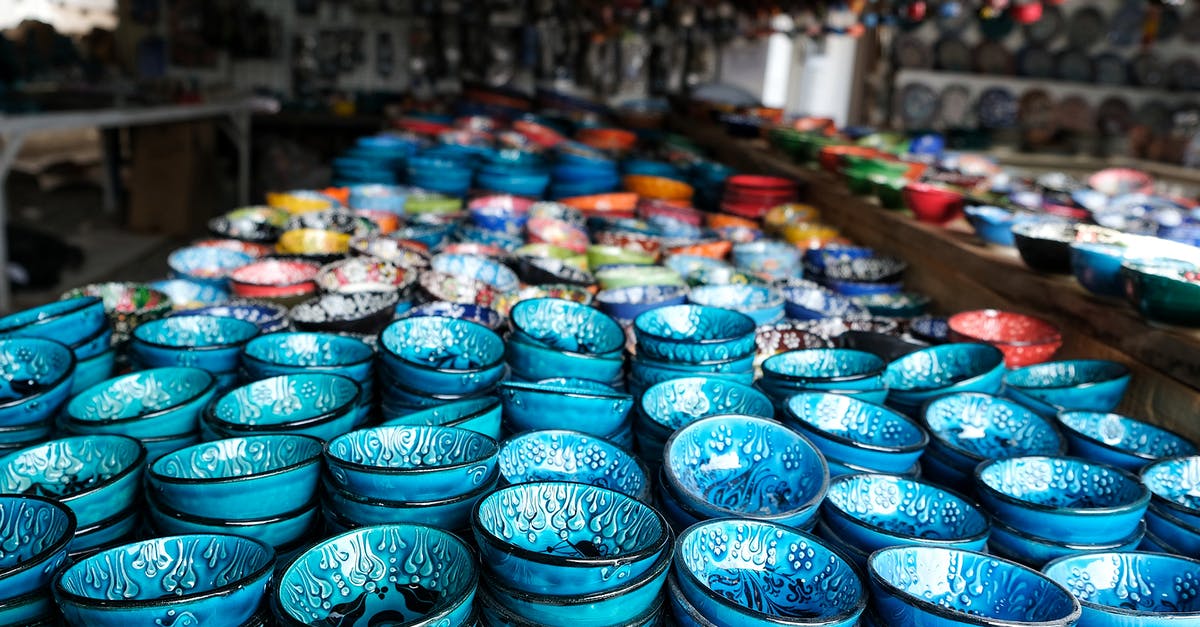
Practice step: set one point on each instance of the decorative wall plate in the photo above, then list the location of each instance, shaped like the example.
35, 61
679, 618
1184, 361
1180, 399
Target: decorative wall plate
955, 110
1035, 62
1046, 29
1147, 70
991, 57
1073, 64
918, 106
997, 108
952, 54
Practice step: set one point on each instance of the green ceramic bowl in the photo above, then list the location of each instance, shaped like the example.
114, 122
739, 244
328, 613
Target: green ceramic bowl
889, 190
1164, 290
599, 256
646, 275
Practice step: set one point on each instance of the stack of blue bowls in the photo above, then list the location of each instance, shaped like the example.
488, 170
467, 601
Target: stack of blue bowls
857, 436
37, 378
834, 370
373, 160
480, 414
445, 173
433, 360
98, 477
691, 340
407, 474
671, 405
277, 354
160, 407
1072, 385
553, 553
921, 376
1173, 518
81, 325
262, 487
211, 343
526, 176
582, 171
559, 403
1120, 440
553, 338
38, 531
318, 404
564, 455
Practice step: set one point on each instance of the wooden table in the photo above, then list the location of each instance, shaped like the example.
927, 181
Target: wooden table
960, 272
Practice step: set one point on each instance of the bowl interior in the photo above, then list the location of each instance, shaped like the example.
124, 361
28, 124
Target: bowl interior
907, 508
69, 466
1176, 480
290, 398
823, 364
195, 331
850, 419
567, 325
1132, 583
1126, 434
237, 457
415, 447
1062, 483
693, 323
140, 393
30, 366
1065, 374
570, 456
443, 343
679, 402
31, 527
988, 427
308, 349
941, 366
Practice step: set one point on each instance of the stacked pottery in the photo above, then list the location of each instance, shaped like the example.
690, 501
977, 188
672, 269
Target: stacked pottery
77, 322
281, 281
920, 376
691, 340
554, 553
1120, 440
671, 405
762, 303
1080, 384
210, 343
751, 196
434, 360
407, 474
480, 414
566, 403
160, 407
185, 294
318, 404
1173, 518
262, 487
206, 265
291, 353
127, 306
833, 370
554, 337
561, 455
98, 477
39, 530
37, 378
268, 317
857, 436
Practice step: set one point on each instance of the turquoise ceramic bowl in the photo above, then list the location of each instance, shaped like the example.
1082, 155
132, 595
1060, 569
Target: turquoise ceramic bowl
439, 355
556, 403
277, 354
920, 376
971, 427
36, 376
313, 403
567, 326
1174, 486
561, 455
481, 415
274, 531
156, 403
671, 405
36, 609
1034, 551
826, 368
420, 462
763, 304
1123, 588
857, 432
1120, 440
694, 333
351, 510
37, 532
209, 342
157, 447
1082, 384
534, 361
89, 372
117, 529
68, 321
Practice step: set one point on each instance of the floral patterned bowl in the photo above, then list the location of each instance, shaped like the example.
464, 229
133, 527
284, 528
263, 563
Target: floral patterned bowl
36, 376
355, 312
206, 264
922, 375
287, 281
668, 406
39, 530
479, 314
269, 317
126, 304
262, 225
442, 355
694, 333
364, 274
1024, 340
1173, 485
209, 342
1082, 384
185, 294
1120, 440
850, 430
568, 326
971, 427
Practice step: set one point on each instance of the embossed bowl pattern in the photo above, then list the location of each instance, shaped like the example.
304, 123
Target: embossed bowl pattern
694, 333
852, 430
1118, 588
161, 402
561, 455
971, 427
1120, 440
567, 326
310, 403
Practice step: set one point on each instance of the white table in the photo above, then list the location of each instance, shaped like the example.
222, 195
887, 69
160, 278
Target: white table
235, 121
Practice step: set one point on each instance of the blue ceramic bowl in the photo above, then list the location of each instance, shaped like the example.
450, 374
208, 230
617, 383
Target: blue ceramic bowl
671, 405
1120, 440
854, 431
157, 403
420, 462
533, 361
433, 236
930, 372
1082, 384
35, 609
751, 572
481, 415
692, 266
157, 447
493, 612
558, 403
210, 578
563, 539
479, 314
1177, 536
248, 478
1120, 588
89, 372
1034, 551
269, 317
532, 185
1065, 498
36, 377
992, 224
68, 321
209, 342
37, 532
567, 326
115, 530
815, 302
936, 587
648, 372
561, 455
1174, 486
694, 333
1097, 267
94, 344
746, 467
726, 366
93, 475
274, 531
277, 354
763, 304
972, 427
207, 265
931, 329
350, 511
825, 368
313, 403
442, 355
489, 271
769, 258
873, 511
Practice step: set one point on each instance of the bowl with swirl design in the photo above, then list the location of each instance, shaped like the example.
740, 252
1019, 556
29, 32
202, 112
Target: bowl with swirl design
852, 430
670, 405
929, 585
1079, 384
562, 455
199, 579
564, 538
245, 478
568, 326
1065, 498
1127, 588
442, 355
155, 403
754, 572
1120, 440
556, 403
917, 377
94, 475
36, 377
694, 333
319, 404
36, 532
364, 274
418, 461
747, 467
481, 415
276, 354
971, 427
824, 368
209, 342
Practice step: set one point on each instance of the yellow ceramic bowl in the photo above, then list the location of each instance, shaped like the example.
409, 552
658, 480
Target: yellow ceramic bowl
780, 216
312, 242
809, 234
300, 202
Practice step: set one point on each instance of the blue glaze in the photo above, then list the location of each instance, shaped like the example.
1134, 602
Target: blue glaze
35, 608
627, 303
560, 403
566, 539
930, 372
184, 293
992, 224
486, 316
679, 515
313, 403
116, 529
209, 342
771, 258
1097, 267
534, 361
568, 326
1120, 440
749, 572
671, 405
240, 478
442, 355
433, 236
94, 344
269, 317
227, 578
646, 374
1034, 551
817, 259
1082, 384
839, 468
420, 462
157, 403
94, 475
36, 533
1174, 486
739, 365
294, 352
815, 302
561, 455
932, 329
971, 427
943, 471
1179, 536
489, 271
68, 321
157, 447
940, 587
763, 304
1119, 589
481, 415
694, 333
826, 368
682, 610
857, 432
89, 372
207, 265
746, 467
276, 531
1065, 498
350, 511
36, 377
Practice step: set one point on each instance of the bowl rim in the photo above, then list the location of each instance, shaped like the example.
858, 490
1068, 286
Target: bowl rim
210, 416
604, 318
52, 386
661, 543
207, 347
322, 335
1160, 499
61, 544
1051, 337
1147, 457
1136, 534
1110, 609
1140, 502
612, 447
136, 465
485, 405
682, 571
153, 471
981, 535
936, 435
538, 387
774, 296
328, 491
792, 417
388, 300
995, 353
208, 387
173, 260
263, 571
963, 617
1123, 372
674, 596
332, 459
790, 378
153, 506
741, 320
405, 277
278, 312
1026, 230
273, 262
31, 318
386, 351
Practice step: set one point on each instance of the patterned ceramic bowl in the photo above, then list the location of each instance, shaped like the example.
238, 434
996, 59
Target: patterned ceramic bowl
561, 455
972, 427
39, 530
206, 264
68, 321
364, 274
1131, 588
36, 377
269, 317
481, 415
355, 312
286, 281
850, 430
319, 404
155, 403
442, 355
209, 342
127, 304
694, 333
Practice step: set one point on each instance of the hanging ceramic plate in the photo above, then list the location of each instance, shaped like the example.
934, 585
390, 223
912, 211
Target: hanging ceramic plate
1073, 64
1154, 114
1190, 28
1085, 28
991, 57
1169, 23
1146, 70
1075, 114
952, 54
1110, 69
1126, 25
1114, 116
918, 106
998, 27
1035, 62
1183, 74
955, 110
1038, 116
1046, 29
997, 108
911, 52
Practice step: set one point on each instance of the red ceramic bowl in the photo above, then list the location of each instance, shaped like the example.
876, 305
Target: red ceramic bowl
750, 211
1024, 340
617, 139
760, 183
274, 278
933, 203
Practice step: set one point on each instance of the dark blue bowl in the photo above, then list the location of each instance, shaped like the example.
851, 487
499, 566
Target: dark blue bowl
1065, 498
442, 355
815, 302
914, 379
671, 405
1174, 486
1178, 536
694, 333
932, 329
1081, 384
523, 184
972, 427
992, 224
319, 404
561, 455
481, 415
209, 342
1118, 588
38, 532
857, 432
1120, 440
68, 321
567, 326
156, 403
227, 577
37, 378
268, 316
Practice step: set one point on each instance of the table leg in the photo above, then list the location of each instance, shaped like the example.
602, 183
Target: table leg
8, 154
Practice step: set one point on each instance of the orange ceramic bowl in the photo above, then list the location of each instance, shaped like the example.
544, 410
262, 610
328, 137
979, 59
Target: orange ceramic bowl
617, 139
659, 187
616, 204
809, 235
830, 157
340, 194
716, 249
387, 221
725, 221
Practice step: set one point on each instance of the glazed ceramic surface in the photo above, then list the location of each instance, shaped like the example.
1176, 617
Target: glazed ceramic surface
567, 326
36, 533
1083, 384
36, 377
209, 342
417, 461
1120, 440
1126, 589
971, 427
560, 455
674, 404
160, 402
438, 354
1175, 485
858, 432
694, 333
